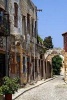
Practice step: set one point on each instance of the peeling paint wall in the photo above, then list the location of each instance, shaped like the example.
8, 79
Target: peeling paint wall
14, 30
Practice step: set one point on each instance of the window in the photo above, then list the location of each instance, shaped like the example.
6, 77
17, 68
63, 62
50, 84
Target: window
24, 25
12, 64
15, 14
35, 29
28, 23
32, 27
4, 23
23, 64
1, 17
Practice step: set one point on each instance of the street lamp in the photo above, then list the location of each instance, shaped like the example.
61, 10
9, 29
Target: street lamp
39, 10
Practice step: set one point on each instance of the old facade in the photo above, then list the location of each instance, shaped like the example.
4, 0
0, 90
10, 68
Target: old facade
15, 39
4, 37
65, 55
29, 34
26, 60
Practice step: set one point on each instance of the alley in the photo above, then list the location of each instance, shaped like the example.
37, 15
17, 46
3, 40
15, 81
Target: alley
55, 89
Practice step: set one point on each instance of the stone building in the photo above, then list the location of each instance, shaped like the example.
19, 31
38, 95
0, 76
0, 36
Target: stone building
29, 35
15, 53
26, 60
40, 61
65, 54
33, 60
23, 38
4, 37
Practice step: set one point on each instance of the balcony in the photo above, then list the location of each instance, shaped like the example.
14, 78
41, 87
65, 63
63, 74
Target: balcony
4, 24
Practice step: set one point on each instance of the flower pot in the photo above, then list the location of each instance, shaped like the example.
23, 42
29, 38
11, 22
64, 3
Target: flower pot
1, 97
8, 96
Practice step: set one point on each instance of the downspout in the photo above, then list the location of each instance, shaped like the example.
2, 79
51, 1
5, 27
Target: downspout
6, 5
6, 53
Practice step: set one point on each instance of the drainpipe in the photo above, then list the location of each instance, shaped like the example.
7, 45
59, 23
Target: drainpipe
6, 55
6, 5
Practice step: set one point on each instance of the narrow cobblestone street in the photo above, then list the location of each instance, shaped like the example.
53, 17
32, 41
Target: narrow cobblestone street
55, 89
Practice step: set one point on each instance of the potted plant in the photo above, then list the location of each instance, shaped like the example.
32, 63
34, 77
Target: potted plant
9, 87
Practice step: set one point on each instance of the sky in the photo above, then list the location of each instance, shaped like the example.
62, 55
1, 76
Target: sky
52, 21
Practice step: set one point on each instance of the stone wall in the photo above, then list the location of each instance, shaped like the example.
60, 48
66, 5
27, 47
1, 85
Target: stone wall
65, 66
15, 30
2, 4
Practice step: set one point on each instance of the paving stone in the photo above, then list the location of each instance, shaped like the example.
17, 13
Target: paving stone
52, 90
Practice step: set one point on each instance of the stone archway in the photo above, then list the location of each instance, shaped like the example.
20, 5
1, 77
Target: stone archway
49, 70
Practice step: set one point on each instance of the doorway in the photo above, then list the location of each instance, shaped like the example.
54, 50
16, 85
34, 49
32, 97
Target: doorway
28, 68
2, 66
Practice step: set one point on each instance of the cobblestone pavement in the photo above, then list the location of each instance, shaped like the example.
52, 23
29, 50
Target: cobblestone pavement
55, 89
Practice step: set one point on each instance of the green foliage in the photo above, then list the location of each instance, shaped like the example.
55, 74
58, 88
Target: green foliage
39, 39
1, 92
48, 42
9, 85
56, 64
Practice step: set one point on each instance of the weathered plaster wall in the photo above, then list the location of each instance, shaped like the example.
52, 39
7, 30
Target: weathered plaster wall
2, 4
14, 30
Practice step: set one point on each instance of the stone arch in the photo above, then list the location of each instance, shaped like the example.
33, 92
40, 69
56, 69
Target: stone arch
49, 62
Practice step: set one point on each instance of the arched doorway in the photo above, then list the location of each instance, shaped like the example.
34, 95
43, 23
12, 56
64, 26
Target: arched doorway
57, 64
48, 59
48, 69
